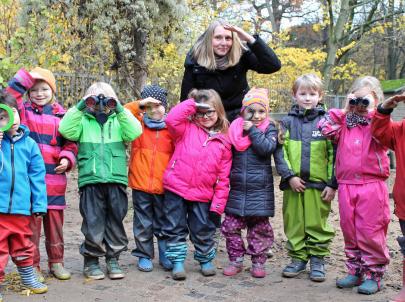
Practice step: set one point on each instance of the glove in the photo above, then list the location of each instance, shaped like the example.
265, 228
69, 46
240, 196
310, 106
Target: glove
24, 78
119, 108
215, 218
81, 105
39, 214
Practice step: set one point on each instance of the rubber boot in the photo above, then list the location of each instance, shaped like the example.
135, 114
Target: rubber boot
207, 269
29, 279
400, 297
163, 261
178, 272
58, 270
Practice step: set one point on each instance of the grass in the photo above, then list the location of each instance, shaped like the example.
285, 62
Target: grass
392, 85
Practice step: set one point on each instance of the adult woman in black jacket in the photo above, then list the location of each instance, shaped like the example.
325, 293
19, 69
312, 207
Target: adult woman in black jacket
220, 59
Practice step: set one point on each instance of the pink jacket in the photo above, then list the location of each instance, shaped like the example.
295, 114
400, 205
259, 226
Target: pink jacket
200, 166
359, 158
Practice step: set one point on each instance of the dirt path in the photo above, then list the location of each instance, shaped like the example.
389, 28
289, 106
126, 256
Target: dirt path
158, 285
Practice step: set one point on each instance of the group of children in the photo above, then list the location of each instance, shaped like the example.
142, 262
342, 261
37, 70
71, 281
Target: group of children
187, 168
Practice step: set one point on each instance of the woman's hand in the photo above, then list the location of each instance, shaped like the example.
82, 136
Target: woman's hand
243, 36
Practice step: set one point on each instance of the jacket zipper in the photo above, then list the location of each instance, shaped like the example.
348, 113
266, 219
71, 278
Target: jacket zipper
12, 178
102, 153
153, 161
379, 162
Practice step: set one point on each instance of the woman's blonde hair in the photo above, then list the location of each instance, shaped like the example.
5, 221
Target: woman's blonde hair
211, 97
203, 52
310, 81
370, 82
101, 88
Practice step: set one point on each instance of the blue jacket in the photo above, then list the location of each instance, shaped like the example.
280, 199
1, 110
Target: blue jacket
252, 188
22, 178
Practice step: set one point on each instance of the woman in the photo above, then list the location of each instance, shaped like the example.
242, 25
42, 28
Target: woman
220, 59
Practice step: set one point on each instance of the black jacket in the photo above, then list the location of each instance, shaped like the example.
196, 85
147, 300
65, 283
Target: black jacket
231, 83
252, 188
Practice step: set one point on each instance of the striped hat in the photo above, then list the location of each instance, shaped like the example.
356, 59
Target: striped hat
256, 95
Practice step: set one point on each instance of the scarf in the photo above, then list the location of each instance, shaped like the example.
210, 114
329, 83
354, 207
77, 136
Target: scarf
235, 133
353, 120
222, 63
153, 124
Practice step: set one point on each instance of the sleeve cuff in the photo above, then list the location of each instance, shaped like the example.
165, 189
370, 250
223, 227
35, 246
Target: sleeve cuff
384, 111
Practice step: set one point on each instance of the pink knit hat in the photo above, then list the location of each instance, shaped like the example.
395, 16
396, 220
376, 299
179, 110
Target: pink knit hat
256, 95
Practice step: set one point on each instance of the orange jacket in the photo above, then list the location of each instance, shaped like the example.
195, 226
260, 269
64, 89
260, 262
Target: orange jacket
150, 154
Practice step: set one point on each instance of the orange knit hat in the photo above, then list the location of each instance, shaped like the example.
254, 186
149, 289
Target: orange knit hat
46, 75
256, 95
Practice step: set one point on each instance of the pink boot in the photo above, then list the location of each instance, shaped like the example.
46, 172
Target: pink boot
401, 295
233, 268
257, 270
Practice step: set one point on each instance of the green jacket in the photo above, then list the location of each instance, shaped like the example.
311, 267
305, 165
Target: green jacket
102, 154
306, 152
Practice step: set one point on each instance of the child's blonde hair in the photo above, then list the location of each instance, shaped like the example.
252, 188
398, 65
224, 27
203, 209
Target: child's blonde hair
203, 52
311, 81
370, 82
101, 88
211, 97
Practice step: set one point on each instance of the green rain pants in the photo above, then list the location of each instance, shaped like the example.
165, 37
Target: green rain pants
306, 224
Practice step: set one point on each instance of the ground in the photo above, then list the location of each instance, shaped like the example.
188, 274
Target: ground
158, 285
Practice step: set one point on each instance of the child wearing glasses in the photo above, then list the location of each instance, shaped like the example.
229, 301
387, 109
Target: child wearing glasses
362, 166
102, 125
251, 198
150, 154
196, 181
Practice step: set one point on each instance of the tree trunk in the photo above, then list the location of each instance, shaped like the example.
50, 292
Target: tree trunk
335, 31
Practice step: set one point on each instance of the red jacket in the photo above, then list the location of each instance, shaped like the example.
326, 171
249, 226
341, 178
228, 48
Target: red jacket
150, 154
392, 135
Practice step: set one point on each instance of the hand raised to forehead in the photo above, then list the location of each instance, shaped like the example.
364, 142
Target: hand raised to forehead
393, 101
244, 36
150, 100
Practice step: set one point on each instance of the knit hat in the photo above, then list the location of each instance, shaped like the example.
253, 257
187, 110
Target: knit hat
256, 95
46, 75
155, 92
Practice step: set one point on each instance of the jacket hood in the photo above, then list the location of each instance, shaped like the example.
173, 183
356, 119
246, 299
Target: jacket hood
310, 114
23, 128
189, 61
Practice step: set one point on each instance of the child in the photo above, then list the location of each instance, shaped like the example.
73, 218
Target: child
305, 163
101, 131
196, 180
362, 166
22, 193
391, 135
42, 115
150, 155
251, 199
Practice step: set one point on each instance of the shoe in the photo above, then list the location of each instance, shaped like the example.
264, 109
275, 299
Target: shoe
59, 271
369, 287
317, 269
145, 264
257, 270
29, 280
208, 269
163, 261
114, 270
294, 268
92, 269
349, 281
178, 272
234, 267
39, 274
